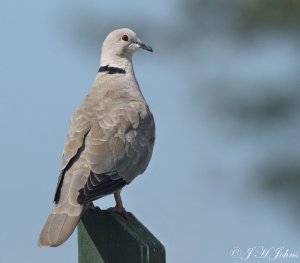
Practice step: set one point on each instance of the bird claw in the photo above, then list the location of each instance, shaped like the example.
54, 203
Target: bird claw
121, 211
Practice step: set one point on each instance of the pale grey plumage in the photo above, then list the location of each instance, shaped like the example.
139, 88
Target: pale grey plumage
109, 143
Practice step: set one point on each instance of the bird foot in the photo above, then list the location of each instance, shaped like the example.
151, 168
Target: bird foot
93, 208
124, 213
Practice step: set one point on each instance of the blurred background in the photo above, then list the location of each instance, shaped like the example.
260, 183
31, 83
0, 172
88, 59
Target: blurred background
223, 85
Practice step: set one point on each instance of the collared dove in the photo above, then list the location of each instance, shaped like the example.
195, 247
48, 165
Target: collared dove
109, 142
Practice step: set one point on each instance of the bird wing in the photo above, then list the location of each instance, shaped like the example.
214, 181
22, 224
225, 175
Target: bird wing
118, 148
74, 145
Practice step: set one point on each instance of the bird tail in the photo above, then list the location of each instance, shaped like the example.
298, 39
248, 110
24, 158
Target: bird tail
59, 227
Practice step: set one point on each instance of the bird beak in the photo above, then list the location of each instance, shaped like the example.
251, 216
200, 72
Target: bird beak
144, 46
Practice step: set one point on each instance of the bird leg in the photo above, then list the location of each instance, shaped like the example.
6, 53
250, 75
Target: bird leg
119, 208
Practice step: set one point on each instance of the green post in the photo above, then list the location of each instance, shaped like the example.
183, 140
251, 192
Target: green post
107, 237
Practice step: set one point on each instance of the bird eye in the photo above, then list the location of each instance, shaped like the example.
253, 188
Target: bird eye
125, 38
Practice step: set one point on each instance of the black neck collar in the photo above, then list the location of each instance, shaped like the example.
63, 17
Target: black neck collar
111, 70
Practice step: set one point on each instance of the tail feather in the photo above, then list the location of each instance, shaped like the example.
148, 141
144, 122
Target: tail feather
58, 228
67, 211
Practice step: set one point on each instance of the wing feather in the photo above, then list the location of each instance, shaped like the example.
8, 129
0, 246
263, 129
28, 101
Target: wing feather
99, 185
79, 127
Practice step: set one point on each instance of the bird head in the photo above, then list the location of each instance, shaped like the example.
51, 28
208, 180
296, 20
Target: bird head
123, 43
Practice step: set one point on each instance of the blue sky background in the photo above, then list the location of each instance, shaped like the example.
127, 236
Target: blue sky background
225, 95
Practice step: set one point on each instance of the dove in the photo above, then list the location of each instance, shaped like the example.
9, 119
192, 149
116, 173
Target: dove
109, 142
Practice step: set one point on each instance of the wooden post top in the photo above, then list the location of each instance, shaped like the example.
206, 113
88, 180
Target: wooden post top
107, 237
